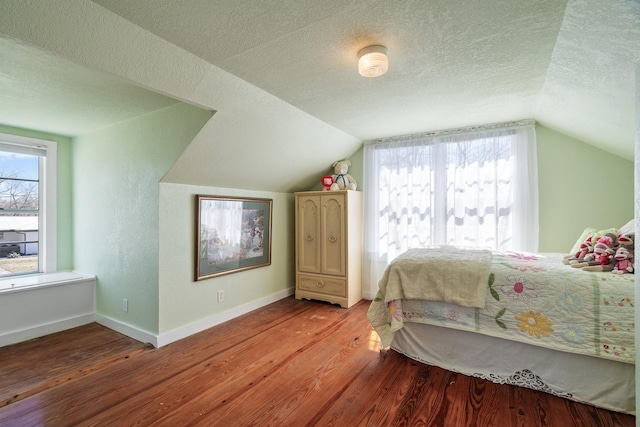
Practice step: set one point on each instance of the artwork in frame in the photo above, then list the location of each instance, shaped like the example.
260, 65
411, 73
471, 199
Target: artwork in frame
232, 234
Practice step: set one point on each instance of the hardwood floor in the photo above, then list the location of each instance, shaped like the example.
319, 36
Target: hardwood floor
292, 363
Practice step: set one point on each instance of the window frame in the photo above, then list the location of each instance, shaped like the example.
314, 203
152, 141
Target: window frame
47, 197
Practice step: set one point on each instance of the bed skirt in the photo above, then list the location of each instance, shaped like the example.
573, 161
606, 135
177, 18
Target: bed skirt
600, 382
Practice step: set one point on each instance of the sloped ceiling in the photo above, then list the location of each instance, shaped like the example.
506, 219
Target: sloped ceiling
568, 64
47, 93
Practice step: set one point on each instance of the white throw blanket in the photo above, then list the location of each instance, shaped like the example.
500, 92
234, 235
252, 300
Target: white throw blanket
447, 274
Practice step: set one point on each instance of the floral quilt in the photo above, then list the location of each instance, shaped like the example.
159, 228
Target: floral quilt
535, 299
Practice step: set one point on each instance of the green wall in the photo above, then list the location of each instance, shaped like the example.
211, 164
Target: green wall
116, 188
580, 186
184, 301
64, 252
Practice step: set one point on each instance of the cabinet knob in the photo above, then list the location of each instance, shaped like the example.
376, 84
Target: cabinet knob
333, 239
309, 237
319, 283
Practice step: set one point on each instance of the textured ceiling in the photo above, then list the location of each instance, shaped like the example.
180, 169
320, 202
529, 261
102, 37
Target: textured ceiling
569, 64
47, 93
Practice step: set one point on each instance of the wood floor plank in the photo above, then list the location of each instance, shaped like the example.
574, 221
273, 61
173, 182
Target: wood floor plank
486, 400
421, 386
432, 385
336, 361
224, 376
291, 363
39, 364
106, 389
273, 362
373, 396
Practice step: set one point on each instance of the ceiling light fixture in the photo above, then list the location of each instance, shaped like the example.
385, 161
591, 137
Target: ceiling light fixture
373, 61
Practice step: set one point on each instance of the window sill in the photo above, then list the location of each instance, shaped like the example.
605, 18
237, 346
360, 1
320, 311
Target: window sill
33, 281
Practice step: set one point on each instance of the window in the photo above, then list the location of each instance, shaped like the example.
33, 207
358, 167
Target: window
27, 205
470, 188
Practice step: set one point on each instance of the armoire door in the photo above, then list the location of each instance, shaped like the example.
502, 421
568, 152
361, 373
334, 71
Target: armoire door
333, 235
309, 239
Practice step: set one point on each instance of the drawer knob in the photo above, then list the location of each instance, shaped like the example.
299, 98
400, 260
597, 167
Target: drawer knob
309, 237
333, 238
319, 283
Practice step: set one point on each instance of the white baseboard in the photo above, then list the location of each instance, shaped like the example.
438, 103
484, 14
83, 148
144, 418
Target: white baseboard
192, 328
216, 319
128, 330
46, 329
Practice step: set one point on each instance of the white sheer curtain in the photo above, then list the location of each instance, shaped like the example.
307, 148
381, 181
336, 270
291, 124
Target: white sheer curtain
471, 187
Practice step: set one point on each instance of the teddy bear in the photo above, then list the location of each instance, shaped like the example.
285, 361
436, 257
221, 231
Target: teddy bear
624, 263
341, 179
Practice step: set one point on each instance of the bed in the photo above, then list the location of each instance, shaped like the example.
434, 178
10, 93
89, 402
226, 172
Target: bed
515, 318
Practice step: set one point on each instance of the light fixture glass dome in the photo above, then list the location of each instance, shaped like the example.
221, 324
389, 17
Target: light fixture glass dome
373, 61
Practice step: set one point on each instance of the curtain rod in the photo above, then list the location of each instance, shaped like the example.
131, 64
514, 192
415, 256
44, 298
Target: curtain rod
458, 131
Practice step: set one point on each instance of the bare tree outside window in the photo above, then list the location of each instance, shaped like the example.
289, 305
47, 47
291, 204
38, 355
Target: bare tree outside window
19, 204
16, 193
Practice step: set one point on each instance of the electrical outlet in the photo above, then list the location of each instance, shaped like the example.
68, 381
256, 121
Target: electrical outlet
220, 295
125, 305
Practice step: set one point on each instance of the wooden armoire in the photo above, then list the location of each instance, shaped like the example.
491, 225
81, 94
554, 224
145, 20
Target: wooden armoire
329, 246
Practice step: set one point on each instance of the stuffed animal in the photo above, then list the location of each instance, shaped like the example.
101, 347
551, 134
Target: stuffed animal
341, 179
624, 254
624, 263
626, 238
327, 182
585, 249
603, 251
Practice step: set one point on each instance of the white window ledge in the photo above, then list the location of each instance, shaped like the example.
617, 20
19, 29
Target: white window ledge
31, 281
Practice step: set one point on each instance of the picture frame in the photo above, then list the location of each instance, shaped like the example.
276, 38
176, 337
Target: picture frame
232, 234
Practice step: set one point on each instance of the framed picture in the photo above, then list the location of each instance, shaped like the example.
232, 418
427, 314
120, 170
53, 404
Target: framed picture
232, 234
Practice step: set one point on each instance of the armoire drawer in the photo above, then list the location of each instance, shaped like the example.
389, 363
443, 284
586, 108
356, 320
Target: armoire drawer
323, 285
